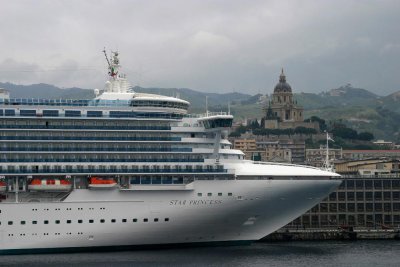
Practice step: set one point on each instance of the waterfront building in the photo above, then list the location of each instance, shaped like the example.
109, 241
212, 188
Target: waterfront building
368, 166
361, 201
366, 154
369, 197
384, 144
260, 150
317, 156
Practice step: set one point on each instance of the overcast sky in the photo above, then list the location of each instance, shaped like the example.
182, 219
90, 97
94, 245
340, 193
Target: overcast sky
211, 46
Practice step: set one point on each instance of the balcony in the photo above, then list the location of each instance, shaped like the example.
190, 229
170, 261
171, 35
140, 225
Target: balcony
117, 171
89, 138
83, 149
97, 160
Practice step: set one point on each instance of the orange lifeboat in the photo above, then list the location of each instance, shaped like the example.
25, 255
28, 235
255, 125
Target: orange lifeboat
49, 185
3, 186
100, 182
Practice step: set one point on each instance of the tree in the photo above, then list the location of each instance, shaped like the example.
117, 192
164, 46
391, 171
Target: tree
234, 134
304, 130
321, 122
345, 133
365, 136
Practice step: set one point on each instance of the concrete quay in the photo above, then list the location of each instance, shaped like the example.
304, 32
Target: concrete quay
331, 234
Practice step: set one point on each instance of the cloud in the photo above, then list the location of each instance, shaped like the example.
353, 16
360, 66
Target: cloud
205, 45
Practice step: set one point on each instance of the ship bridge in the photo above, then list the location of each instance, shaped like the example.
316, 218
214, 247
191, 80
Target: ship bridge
216, 120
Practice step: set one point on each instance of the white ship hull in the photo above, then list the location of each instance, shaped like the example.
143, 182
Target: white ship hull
255, 209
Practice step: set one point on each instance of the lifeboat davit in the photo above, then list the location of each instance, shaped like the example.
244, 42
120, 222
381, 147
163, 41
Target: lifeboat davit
3, 186
99, 182
49, 185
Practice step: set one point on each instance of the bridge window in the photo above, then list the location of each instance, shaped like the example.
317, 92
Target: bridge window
72, 113
27, 112
50, 113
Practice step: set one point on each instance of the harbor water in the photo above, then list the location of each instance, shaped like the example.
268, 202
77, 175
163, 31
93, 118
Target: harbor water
301, 253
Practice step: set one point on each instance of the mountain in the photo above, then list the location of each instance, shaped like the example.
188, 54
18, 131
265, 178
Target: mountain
197, 99
43, 90
342, 96
390, 102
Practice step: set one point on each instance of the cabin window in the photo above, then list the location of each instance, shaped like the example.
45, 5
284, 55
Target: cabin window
199, 194
68, 221
80, 221
124, 220
102, 221
113, 220
145, 220
134, 220
57, 221
209, 194
10, 223
229, 194
155, 219
46, 222
219, 194
34, 222
166, 219
23, 222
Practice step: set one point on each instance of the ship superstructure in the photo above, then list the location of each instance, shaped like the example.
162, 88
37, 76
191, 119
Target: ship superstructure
132, 169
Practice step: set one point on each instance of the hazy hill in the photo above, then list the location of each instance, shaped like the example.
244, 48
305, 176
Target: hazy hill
391, 102
342, 96
43, 90
197, 99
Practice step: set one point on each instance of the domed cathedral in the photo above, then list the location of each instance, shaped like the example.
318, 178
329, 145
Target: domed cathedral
283, 111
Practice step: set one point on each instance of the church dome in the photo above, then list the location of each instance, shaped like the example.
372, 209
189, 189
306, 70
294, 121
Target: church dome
282, 86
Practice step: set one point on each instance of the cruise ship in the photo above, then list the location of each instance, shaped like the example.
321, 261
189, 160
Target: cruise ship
127, 170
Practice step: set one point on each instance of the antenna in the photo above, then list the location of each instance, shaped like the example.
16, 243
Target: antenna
207, 105
105, 54
327, 164
229, 108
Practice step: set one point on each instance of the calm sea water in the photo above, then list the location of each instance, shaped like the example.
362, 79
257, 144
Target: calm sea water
327, 253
